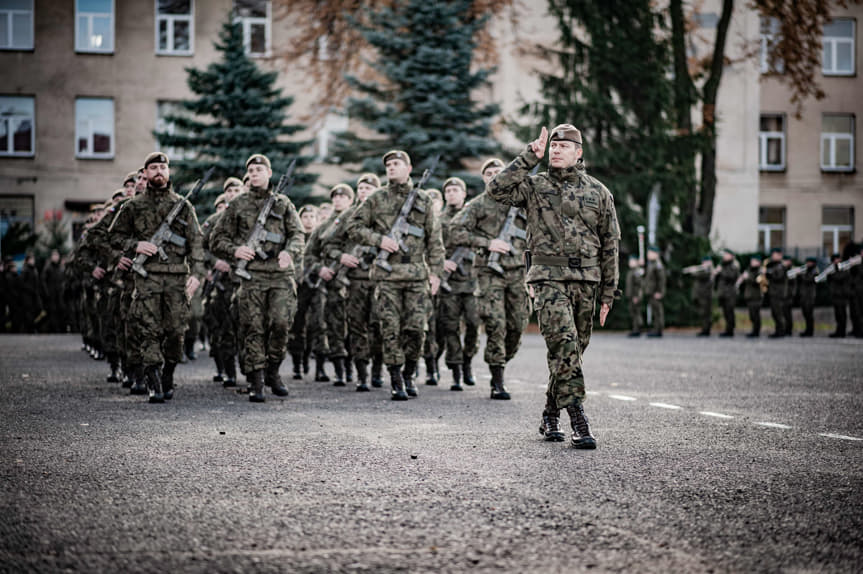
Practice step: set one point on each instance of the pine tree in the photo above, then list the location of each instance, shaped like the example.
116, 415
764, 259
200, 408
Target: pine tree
238, 111
423, 102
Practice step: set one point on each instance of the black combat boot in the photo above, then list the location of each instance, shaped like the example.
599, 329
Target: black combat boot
349, 369
498, 391
456, 377
408, 375
306, 361
432, 374
139, 384
549, 427
168, 380
377, 371
581, 437
634, 334
398, 384
339, 367
297, 360
219, 377
467, 372
189, 345
362, 376
128, 376
114, 362
230, 365
154, 384
274, 381
256, 386
320, 372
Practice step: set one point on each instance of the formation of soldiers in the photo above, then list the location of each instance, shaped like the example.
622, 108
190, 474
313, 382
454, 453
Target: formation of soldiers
375, 281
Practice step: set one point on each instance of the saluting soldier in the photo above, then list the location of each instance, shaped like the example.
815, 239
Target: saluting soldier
654, 290
753, 294
726, 287
702, 294
840, 291
806, 287
777, 288
574, 237
266, 303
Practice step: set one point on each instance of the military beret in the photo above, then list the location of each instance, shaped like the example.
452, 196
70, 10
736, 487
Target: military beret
728, 251
306, 208
566, 132
140, 170
653, 248
633, 256
836, 256
397, 154
118, 193
258, 159
221, 199
156, 157
133, 176
758, 257
369, 178
493, 162
455, 181
245, 179
811, 259
434, 194
776, 250
342, 189
231, 181
96, 207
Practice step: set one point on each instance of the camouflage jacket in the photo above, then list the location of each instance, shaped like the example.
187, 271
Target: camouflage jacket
569, 214
778, 279
206, 234
141, 216
463, 280
336, 242
635, 282
96, 248
480, 221
840, 285
374, 219
726, 279
233, 228
751, 287
654, 279
806, 283
702, 287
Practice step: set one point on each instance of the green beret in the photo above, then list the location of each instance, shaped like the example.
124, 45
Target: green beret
221, 199
369, 178
342, 189
706, 258
118, 193
811, 260
258, 159
306, 208
231, 181
156, 157
133, 177
434, 194
836, 256
758, 257
397, 154
653, 248
776, 250
633, 256
493, 162
566, 132
454, 181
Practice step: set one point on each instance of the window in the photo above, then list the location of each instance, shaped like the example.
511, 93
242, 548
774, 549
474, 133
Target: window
164, 110
94, 128
837, 45
94, 26
254, 17
17, 126
837, 228
175, 26
771, 143
769, 38
771, 228
16, 24
333, 123
837, 142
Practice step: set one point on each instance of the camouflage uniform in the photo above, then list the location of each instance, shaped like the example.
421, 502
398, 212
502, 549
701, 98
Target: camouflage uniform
654, 284
840, 292
726, 281
856, 294
776, 290
311, 333
52, 286
806, 287
30, 297
752, 295
702, 296
363, 325
634, 296
218, 314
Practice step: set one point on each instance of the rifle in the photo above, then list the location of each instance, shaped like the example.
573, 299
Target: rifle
458, 256
215, 281
401, 227
361, 252
259, 234
164, 234
509, 233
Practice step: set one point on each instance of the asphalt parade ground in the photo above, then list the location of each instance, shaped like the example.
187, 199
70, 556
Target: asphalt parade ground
714, 455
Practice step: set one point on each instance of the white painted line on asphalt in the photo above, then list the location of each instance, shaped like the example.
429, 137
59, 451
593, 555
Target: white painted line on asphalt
666, 406
717, 415
593, 393
839, 436
773, 425
621, 397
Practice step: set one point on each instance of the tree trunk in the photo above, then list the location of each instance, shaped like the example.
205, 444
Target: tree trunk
684, 99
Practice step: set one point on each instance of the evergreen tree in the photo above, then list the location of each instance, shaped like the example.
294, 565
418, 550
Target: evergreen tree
422, 102
54, 235
238, 111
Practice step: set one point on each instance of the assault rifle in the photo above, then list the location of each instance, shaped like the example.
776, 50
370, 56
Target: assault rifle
402, 228
307, 278
164, 234
509, 233
460, 255
215, 281
259, 234
361, 252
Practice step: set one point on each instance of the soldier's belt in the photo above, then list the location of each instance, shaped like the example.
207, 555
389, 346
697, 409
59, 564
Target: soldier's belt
560, 261
408, 259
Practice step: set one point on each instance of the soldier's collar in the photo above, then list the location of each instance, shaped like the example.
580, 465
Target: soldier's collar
566, 173
259, 190
160, 190
402, 187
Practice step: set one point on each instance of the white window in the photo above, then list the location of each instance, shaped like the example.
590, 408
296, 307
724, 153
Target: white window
164, 125
769, 38
332, 124
254, 17
771, 143
837, 57
17, 126
837, 142
175, 27
94, 26
16, 24
771, 228
94, 128
837, 228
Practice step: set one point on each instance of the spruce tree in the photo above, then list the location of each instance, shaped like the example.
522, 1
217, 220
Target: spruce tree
422, 101
238, 111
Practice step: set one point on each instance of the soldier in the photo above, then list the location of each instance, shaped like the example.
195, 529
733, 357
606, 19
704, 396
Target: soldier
788, 299
266, 303
459, 302
160, 307
30, 294
307, 333
574, 238
502, 303
11, 289
726, 287
752, 280
52, 286
857, 296
654, 290
777, 287
402, 291
806, 289
634, 293
325, 210
840, 291
702, 294
433, 346
130, 183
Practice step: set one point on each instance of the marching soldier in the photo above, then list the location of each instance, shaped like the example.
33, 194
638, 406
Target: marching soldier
753, 292
654, 290
434, 344
702, 294
726, 287
574, 238
30, 296
502, 303
777, 288
266, 303
402, 290
840, 291
788, 300
634, 293
307, 331
806, 288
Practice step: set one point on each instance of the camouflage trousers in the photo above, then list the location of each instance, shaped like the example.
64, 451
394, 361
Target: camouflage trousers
704, 308
726, 303
130, 346
363, 326
657, 313
565, 313
89, 312
159, 316
432, 346
453, 308
635, 314
503, 308
106, 304
754, 308
402, 310
265, 310
308, 331
335, 313
220, 322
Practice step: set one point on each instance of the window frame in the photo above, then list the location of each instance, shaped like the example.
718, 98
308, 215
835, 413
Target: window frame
764, 137
90, 15
246, 24
171, 18
833, 137
834, 41
10, 29
11, 134
94, 155
764, 229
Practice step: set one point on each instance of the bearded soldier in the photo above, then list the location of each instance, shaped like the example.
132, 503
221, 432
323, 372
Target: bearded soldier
573, 236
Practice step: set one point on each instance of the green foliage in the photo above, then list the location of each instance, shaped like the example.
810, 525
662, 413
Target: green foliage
423, 103
54, 235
